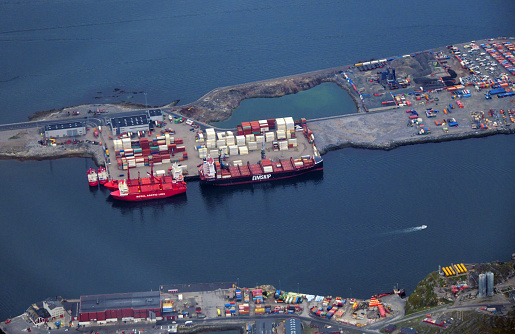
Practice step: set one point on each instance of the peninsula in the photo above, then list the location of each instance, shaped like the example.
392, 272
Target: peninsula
453, 92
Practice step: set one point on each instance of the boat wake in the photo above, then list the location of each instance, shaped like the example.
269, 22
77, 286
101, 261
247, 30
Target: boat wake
406, 230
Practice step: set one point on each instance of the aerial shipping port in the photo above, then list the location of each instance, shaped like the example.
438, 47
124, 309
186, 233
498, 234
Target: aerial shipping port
453, 92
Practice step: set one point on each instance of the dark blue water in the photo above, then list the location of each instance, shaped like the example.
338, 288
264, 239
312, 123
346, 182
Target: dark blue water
348, 229
326, 99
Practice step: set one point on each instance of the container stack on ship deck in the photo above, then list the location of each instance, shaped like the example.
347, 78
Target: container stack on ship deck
275, 145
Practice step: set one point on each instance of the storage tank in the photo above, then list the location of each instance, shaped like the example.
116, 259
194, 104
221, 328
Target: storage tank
489, 284
482, 285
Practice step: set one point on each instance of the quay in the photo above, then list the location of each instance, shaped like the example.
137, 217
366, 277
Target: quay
207, 306
447, 93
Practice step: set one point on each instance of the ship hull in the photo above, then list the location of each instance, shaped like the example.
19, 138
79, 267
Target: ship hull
93, 183
134, 197
263, 177
112, 185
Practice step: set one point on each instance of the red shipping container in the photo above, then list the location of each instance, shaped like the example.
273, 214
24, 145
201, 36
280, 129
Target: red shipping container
128, 312
178, 141
101, 316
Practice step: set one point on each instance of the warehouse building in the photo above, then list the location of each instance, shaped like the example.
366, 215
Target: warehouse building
155, 115
136, 123
68, 129
120, 306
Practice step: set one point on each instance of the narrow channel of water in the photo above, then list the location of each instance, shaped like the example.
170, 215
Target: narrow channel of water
326, 99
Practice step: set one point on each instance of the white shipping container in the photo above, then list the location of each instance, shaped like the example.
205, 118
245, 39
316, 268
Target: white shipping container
283, 145
250, 138
214, 154
220, 142
280, 124
298, 163
260, 140
268, 169
270, 136
220, 136
230, 140
117, 144
233, 150
202, 152
243, 150
211, 143
253, 146
281, 134
289, 123
229, 134
237, 163
159, 172
293, 141
240, 140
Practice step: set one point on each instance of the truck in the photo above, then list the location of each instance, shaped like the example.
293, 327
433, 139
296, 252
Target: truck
452, 122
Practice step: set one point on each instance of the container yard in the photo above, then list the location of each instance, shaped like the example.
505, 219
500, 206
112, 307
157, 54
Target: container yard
186, 143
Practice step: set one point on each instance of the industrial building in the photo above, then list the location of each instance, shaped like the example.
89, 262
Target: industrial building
68, 129
124, 306
136, 123
155, 115
45, 311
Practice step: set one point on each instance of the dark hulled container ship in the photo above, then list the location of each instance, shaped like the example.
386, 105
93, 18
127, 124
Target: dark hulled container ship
215, 173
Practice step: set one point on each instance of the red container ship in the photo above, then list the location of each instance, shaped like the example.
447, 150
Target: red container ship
92, 177
112, 184
217, 174
102, 175
142, 189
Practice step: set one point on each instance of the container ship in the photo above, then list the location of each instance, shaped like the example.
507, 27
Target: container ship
92, 177
217, 174
142, 189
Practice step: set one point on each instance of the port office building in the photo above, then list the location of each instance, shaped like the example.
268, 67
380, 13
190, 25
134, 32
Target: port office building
68, 129
136, 123
155, 115
120, 306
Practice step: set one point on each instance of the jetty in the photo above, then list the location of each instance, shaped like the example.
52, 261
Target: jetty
452, 92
